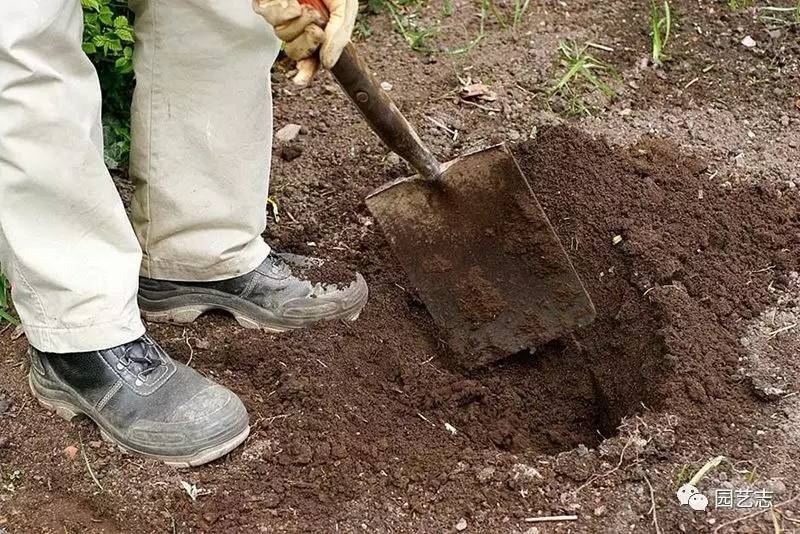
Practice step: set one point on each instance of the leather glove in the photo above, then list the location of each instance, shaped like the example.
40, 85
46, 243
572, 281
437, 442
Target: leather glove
301, 28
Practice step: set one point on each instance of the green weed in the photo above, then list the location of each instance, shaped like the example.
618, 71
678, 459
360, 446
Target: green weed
6, 314
108, 41
467, 48
405, 17
684, 476
660, 27
448, 8
520, 8
776, 17
736, 5
583, 73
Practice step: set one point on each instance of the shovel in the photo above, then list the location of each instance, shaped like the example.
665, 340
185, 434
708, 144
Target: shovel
472, 237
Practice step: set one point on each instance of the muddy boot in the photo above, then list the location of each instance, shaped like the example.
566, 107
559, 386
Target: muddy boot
286, 291
143, 401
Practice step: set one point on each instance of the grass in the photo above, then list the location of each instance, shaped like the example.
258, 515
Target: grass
6, 314
405, 17
736, 5
583, 73
683, 477
777, 17
466, 49
520, 8
660, 27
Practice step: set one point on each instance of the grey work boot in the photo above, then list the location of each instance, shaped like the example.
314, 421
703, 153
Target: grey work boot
143, 401
285, 292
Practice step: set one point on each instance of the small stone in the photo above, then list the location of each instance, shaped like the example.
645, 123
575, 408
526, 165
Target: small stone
392, 158
202, 344
784, 120
765, 391
533, 530
461, 525
288, 133
514, 135
485, 474
3, 442
5, 404
600, 510
777, 487
749, 42
71, 452
386, 86
330, 88
625, 112
95, 444
290, 153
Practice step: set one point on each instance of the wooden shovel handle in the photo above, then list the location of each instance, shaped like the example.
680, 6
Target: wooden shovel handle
378, 109
382, 114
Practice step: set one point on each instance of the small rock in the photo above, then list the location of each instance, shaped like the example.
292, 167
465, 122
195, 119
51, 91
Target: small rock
330, 88
392, 158
71, 452
290, 153
202, 344
386, 86
514, 135
3, 442
485, 474
777, 487
288, 133
461, 525
95, 444
533, 530
5, 404
749, 42
600, 510
625, 112
765, 391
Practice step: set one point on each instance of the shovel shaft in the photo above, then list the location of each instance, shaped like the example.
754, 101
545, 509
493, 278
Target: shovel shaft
382, 114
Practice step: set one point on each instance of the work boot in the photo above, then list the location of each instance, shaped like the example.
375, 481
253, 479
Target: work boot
143, 401
285, 292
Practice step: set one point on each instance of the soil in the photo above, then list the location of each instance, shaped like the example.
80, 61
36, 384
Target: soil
683, 227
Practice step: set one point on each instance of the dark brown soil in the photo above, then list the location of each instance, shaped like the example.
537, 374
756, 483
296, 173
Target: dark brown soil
689, 252
328, 272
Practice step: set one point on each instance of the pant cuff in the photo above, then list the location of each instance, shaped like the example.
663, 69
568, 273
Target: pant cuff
176, 271
88, 337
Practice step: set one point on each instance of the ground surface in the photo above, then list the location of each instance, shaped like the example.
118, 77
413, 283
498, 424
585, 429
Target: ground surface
682, 221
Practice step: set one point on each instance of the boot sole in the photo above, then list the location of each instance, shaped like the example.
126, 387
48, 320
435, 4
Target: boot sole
69, 412
185, 309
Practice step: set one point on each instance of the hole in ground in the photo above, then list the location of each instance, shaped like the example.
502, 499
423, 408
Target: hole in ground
570, 392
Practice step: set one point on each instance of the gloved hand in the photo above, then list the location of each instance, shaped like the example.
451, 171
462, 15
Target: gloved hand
301, 28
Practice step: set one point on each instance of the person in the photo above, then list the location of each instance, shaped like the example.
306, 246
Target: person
201, 140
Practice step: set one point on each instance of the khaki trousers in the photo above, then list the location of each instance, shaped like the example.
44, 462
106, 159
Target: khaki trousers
202, 123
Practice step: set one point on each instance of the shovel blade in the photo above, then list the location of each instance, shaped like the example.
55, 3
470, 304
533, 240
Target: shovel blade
482, 255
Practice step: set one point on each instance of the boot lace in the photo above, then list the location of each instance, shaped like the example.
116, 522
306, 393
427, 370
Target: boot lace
139, 352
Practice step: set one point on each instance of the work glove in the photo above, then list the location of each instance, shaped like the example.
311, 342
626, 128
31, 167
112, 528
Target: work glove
301, 28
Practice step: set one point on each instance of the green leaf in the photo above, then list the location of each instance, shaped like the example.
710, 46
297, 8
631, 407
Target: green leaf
89, 48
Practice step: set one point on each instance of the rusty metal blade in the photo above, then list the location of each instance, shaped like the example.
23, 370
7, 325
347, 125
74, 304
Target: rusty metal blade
483, 257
